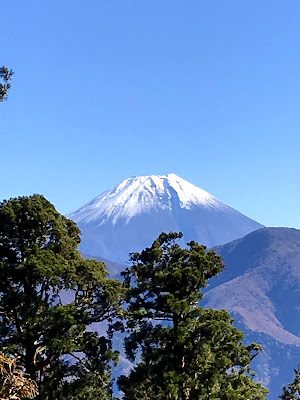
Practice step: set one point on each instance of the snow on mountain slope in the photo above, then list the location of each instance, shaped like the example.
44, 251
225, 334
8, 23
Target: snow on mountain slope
141, 194
131, 215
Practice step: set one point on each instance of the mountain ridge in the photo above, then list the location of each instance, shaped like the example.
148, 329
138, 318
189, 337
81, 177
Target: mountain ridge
260, 287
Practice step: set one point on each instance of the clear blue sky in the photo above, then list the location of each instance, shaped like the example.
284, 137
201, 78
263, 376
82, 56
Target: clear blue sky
106, 89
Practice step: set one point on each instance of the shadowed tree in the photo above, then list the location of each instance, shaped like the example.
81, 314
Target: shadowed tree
292, 392
5, 85
49, 296
185, 352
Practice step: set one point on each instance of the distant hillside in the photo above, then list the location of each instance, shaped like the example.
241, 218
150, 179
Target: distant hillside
113, 267
261, 289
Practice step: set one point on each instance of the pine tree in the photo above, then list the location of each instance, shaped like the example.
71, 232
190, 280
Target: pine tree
5, 85
185, 352
292, 392
49, 296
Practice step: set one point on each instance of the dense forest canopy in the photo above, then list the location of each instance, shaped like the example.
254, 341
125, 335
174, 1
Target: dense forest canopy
39, 266
186, 352
50, 297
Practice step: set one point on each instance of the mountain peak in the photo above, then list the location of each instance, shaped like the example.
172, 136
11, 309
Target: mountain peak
139, 194
132, 214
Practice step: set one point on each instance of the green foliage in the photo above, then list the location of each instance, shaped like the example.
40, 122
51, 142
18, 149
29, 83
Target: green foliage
5, 85
292, 392
186, 352
39, 267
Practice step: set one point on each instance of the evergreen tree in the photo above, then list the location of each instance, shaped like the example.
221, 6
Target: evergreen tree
292, 392
49, 296
185, 352
5, 85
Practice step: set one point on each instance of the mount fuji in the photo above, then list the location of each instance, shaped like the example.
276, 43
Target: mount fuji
130, 216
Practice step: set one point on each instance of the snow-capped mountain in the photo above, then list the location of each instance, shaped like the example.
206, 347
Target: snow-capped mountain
130, 216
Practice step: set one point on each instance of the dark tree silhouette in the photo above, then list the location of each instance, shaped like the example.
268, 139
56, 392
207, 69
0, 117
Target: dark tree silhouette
5, 85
